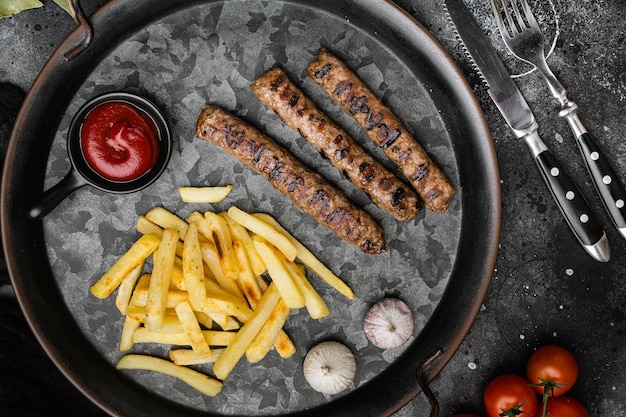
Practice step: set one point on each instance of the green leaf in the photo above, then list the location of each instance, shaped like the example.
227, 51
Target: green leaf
67, 6
12, 7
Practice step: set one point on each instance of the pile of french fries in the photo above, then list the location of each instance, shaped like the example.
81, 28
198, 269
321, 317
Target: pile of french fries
222, 286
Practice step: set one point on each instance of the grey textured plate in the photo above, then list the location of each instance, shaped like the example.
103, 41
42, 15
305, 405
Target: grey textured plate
181, 55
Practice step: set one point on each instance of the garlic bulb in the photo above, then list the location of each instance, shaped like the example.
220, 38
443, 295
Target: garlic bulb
389, 323
329, 367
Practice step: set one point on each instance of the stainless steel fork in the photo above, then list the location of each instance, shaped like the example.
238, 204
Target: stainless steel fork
524, 38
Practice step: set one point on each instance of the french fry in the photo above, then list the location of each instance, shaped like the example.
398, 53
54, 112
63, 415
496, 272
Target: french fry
213, 289
231, 307
134, 311
193, 269
125, 289
211, 258
145, 226
310, 260
218, 337
199, 220
177, 279
167, 220
247, 279
174, 296
213, 337
137, 254
139, 313
284, 345
266, 231
251, 287
160, 279
224, 321
203, 383
264, 340
280, 275
128, 329
143, 335
223, 244
143, 283
204, 194
171, 324
241, 235
315, 304
235, 351
204, 319
191, 357
191, 327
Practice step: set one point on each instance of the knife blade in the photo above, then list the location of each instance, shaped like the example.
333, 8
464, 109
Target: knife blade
518, 115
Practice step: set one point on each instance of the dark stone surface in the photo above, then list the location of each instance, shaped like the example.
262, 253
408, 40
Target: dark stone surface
545, 289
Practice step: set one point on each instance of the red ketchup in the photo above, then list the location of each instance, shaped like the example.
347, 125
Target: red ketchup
119, 141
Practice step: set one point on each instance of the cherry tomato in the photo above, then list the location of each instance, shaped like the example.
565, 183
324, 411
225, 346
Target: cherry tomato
508, 396
552, 369
563, 406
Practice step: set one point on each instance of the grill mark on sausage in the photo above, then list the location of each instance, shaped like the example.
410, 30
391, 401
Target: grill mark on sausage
275, 171
384, 128
386, 135
275, 90
293, 100
341, 87
322, 73
420, 172
257, 153
371, 121
341, 153
359, 105
307, 189
398, 196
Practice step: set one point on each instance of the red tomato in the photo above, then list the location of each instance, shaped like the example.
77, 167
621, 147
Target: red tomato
508, 396
552, 369
563, 406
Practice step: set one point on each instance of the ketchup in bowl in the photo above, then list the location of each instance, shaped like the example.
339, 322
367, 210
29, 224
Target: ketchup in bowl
119, 141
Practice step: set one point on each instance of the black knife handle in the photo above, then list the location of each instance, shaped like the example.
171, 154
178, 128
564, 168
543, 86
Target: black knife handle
605, 179
570, 200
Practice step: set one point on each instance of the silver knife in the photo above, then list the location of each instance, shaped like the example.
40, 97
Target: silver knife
507, 97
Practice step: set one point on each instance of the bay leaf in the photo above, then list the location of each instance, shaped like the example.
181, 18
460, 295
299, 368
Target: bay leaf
12, 7
67, 6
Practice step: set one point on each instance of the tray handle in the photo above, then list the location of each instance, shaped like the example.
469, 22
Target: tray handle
84, 23
422, 378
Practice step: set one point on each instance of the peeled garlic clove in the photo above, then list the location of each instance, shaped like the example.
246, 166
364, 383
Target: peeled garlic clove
389, 323
329, 367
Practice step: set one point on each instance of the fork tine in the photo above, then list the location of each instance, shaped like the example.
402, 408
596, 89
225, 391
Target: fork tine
530, 17
520, 20
504, 31
523, 36
509, 18
498, 15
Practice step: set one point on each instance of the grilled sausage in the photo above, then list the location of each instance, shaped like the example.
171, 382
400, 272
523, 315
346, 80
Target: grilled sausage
307, 189
276, 91
384, 128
